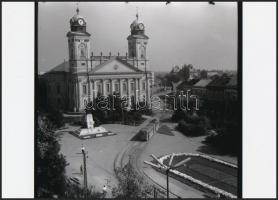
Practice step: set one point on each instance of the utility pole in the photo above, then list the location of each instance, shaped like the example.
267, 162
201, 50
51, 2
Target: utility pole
88, 80
84, 171
167, 181
147, 85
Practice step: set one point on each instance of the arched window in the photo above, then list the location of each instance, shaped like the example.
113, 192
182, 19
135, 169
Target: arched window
142, 52
82, 50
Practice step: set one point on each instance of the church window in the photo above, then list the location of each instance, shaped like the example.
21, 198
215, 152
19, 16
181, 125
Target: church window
117, 89
107, 87
124, 87
98, 88
142, 50
84, 89
83, 64
132, 87
82, 50
144, 85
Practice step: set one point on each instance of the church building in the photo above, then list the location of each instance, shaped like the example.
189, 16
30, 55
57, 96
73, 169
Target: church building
85, 76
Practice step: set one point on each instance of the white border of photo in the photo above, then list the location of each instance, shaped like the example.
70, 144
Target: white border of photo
259, 99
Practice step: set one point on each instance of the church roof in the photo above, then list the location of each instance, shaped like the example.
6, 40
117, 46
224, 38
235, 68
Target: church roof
62, 67
65, 67
141, 36
202, 83
112, 59
232, 82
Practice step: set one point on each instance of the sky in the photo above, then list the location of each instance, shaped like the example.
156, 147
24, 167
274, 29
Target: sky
179, 33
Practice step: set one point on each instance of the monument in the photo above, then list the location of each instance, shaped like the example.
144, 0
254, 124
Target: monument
90, 131
90, 127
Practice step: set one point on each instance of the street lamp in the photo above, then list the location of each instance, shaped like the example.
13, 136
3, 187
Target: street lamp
84, 170
167, 168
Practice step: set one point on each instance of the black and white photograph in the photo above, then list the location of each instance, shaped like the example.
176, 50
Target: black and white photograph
138, 99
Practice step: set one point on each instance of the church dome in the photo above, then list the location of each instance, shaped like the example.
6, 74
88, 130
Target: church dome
78, 23
137, 26
77, 20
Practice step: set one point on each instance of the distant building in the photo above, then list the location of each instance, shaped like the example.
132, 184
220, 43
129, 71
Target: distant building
187, 85
213, 73
231, 88
70, 84
200, 88
217, 88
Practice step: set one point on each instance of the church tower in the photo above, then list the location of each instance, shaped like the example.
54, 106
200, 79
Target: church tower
137, 45
79, 44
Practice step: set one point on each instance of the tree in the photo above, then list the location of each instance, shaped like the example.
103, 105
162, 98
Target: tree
227, 139
131, 184
55, 117
50, 167
50, 173
172, 77
42, 95
184, 73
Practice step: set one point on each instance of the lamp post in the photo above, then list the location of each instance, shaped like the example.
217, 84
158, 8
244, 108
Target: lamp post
84, 171
167, 168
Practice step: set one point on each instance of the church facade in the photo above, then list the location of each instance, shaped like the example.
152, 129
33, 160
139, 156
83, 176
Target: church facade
86, 76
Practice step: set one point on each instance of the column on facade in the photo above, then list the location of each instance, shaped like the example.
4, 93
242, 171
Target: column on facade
93, 89
128, 91
120, 87
103, 86
111, 86
136, 88
139, 89
127, 87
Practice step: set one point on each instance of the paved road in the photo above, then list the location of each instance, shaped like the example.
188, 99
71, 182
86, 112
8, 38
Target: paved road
101, 154
152, 177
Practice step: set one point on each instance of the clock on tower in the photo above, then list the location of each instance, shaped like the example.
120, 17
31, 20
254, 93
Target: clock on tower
79, 43
137, 44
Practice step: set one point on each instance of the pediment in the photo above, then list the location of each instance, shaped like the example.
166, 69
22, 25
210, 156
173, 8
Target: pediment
115, 66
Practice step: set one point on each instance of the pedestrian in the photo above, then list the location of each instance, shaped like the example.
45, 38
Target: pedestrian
104, 191
81, 169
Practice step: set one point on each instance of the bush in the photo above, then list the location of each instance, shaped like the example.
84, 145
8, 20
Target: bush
74, 191
191, 129
131, 184
178, 115
50, 171
227, 139
56, 117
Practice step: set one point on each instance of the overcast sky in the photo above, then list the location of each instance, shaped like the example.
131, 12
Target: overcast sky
198, 33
